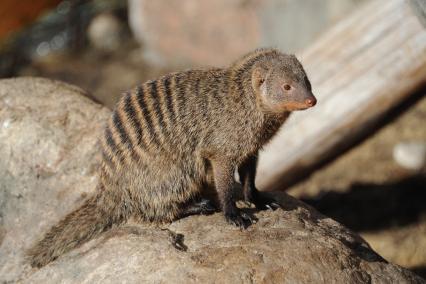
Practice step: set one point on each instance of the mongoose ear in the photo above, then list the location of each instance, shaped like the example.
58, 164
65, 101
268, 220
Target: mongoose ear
258, 78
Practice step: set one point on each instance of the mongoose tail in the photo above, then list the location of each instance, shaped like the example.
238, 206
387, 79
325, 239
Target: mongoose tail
95, 216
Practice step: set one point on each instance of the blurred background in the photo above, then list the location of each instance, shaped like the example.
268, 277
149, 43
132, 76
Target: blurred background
88, 43
109, 46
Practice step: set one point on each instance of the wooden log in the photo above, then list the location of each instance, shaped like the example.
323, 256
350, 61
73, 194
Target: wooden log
362, 67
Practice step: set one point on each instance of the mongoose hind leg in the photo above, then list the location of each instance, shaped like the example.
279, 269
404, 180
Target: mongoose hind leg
247, 173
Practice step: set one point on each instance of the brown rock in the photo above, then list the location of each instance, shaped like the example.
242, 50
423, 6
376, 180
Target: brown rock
48, 135
214, 33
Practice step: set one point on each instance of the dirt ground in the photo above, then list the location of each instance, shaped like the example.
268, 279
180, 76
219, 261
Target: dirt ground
363, 189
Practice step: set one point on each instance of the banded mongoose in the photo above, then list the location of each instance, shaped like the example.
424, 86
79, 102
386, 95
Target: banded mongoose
166, 137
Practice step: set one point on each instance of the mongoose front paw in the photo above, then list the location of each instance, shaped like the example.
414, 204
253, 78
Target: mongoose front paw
240, 219
262, 202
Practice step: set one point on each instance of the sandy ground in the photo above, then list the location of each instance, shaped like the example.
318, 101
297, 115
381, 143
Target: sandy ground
363, 189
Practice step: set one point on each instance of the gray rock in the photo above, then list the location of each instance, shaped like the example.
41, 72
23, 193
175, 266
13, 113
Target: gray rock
48, 160
48, 136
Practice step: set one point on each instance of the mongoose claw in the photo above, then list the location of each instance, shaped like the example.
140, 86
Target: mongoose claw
241, 220
265, 203
272, 206
252, 219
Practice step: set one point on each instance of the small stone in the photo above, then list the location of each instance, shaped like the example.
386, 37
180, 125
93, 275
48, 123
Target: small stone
410, 155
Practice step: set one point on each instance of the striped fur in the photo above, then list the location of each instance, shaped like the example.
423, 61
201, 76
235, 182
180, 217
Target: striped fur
159, 146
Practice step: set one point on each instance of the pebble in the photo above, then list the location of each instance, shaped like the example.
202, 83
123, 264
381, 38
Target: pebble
105, 32
410, 155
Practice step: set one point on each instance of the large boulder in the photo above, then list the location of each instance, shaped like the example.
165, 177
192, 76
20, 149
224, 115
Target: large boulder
49, 156
48, 161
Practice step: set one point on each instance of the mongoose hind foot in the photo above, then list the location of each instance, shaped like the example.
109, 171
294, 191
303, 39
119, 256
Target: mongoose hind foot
201, 207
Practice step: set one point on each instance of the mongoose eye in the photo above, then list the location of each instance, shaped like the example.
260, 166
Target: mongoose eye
261, 81
287, 87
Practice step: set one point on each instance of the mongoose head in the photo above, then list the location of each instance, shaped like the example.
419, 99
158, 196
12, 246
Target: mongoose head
281, 85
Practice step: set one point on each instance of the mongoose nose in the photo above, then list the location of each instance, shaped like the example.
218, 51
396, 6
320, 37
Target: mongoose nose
311, 102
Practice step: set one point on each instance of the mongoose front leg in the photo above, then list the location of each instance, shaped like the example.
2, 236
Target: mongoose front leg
247, 173
223, 172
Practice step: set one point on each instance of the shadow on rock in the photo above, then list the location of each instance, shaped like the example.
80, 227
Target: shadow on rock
420, 270
369, 207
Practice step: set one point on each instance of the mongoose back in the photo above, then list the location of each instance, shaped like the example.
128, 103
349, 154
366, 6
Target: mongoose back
170, 138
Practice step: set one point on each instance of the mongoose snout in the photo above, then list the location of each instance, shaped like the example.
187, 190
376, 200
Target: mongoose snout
311, 101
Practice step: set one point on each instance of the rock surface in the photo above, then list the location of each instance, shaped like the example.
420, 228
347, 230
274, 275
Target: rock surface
48, 137
48, 160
